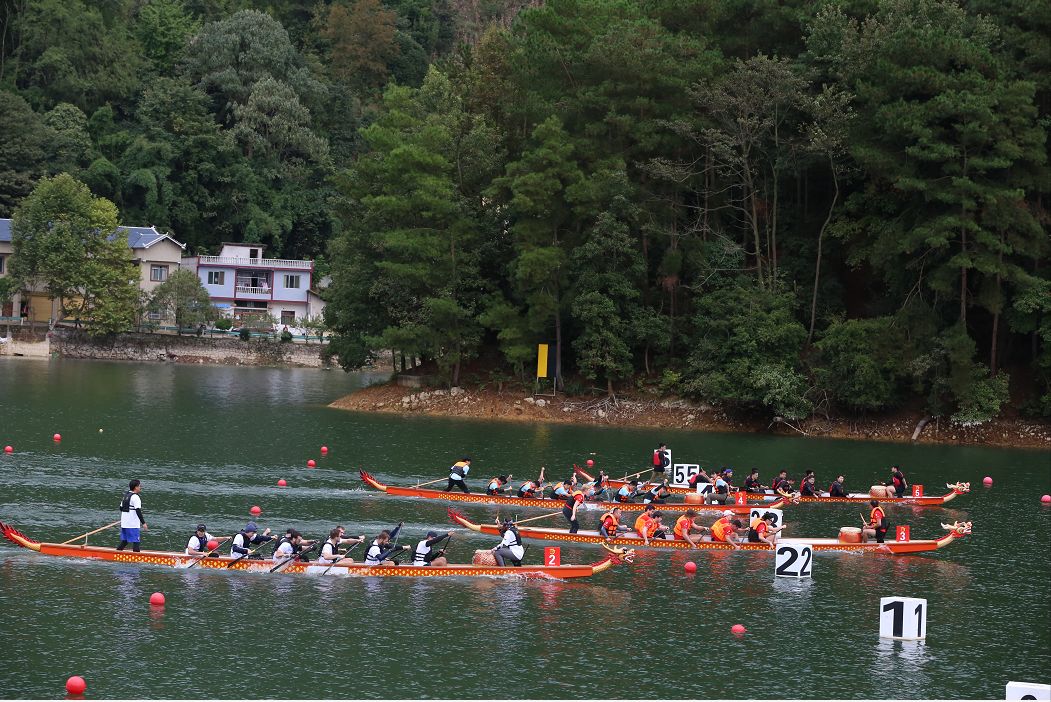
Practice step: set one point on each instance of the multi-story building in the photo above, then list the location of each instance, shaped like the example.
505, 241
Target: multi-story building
156, 254
242, 283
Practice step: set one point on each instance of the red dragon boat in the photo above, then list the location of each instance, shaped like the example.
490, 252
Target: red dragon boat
542, 502
180, 560
632, 540
922, 501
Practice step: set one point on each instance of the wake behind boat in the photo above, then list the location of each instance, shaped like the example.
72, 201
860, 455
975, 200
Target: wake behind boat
633, 540
179, 560
541, 502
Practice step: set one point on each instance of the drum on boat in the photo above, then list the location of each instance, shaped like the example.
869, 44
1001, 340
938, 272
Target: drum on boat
694, 498
878, 491
850, 535
484, 557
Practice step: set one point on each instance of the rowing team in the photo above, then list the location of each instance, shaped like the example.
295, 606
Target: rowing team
727, 528
502, 486
293, 547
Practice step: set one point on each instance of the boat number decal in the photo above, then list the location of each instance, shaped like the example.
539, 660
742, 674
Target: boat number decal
682, 472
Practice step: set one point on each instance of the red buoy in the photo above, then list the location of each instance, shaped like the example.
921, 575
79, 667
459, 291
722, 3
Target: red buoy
324, 450
281, 483
9, 449
1046, 499
311, 463
212, 545
590, 463
987, 481
738, 629
75, 685
256, 510
57, 437
157, 599
690, 567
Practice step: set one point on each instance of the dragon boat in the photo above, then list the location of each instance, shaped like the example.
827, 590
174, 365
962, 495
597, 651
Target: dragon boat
179, 560
543, 502
921, 501
634, 541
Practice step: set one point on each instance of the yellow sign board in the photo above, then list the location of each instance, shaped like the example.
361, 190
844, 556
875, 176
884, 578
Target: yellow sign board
541, 360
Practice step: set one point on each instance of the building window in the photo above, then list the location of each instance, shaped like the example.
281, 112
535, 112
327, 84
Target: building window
291, 281
288, 317
253, 253
1, 264
158, 274
216, 277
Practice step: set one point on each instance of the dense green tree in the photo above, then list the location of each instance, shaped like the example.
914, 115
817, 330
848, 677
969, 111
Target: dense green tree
183, 299
24, 140
163, 27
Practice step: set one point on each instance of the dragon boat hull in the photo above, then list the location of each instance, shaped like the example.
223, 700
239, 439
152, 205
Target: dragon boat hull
543, 503
854, 497
632, 540
179, 560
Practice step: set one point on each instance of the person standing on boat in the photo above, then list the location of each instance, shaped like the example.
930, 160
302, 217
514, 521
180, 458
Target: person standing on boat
569, 510
510, 547
498, 485
876, 525
381, 550
628, 491
330, 549
531, 488
898, 481
837, 488
131, 519
685, 525
661, 461
197, 545
249, 536
458, 474
425, 555
752, 484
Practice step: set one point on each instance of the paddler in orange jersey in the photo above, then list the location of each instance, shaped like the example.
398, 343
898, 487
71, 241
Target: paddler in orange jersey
876, 525
497, 485
532, 488
762, 529
609, 524
651, 527
686, 524
725, 529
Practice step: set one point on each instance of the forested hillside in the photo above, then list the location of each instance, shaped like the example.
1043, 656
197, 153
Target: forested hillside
787, 207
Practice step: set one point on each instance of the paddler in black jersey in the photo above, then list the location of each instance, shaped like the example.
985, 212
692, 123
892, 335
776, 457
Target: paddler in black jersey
752, 484
809, 487
898, 481
837, 488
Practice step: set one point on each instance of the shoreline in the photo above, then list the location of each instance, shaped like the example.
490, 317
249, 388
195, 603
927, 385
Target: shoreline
513, 406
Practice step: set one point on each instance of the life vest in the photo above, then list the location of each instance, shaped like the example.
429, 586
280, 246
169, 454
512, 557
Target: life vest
751, 485
561, 488
896, 479
125, 502
682, 526
642, 523
527, 489
872, 517
495, 487
419, 556
244, 543
756, 530
808, 490
518, 537
658, 457
578, 496
459, 468
720, 529
285, 540
624, 494
332, 554
721, 486
610, 530
372, 556
202, 541
836, 489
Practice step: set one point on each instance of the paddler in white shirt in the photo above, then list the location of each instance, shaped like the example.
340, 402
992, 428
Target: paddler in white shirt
511, 546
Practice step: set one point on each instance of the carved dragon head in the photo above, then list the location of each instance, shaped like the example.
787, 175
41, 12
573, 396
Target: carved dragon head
958, 529
959, 488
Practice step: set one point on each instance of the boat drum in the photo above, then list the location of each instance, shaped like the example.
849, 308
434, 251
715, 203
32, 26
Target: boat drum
484, 557
694, 498
850, 535
878, 491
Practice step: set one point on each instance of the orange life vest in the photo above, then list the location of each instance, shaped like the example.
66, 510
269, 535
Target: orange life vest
611, 530
755, 521
682, 526
578, 496
872, 517
642, 523
721, 528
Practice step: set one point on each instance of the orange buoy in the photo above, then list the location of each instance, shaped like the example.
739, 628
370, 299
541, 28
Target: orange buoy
590, 463
690, 567
212, 545
256, 510
850, 535
57, 437
1046, 499
9, 449
738, 629
324, 450
157, 599
311, 463
281, 483
75, 685
987, 481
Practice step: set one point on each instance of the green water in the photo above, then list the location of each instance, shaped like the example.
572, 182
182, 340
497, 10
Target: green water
209, 442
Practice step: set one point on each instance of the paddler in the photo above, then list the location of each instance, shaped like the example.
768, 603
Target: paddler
569, 510
685, 525
628, 491
809, 488
458, 473
297, 546
593, 490
425, 553
564, 489
532, 488
197, 545
290, 546
783, 485
752, 484
330, 548
657, 494
725, 529
876, 525
247, 537
762, 529
498, 485
837, 488
609, 524
721, 493
642, 522
700, 477
510, 547
898, 482
381, 550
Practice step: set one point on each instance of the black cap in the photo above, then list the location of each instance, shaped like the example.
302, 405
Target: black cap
201, 527
432, 534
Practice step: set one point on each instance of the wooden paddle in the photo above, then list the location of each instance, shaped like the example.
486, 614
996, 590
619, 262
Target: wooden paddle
633, 475
296, 557
219, 542
432, 482
542, 516
85, 536
246, 555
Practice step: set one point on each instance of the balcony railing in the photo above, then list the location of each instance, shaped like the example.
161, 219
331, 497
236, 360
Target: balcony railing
251, 290
240, 262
